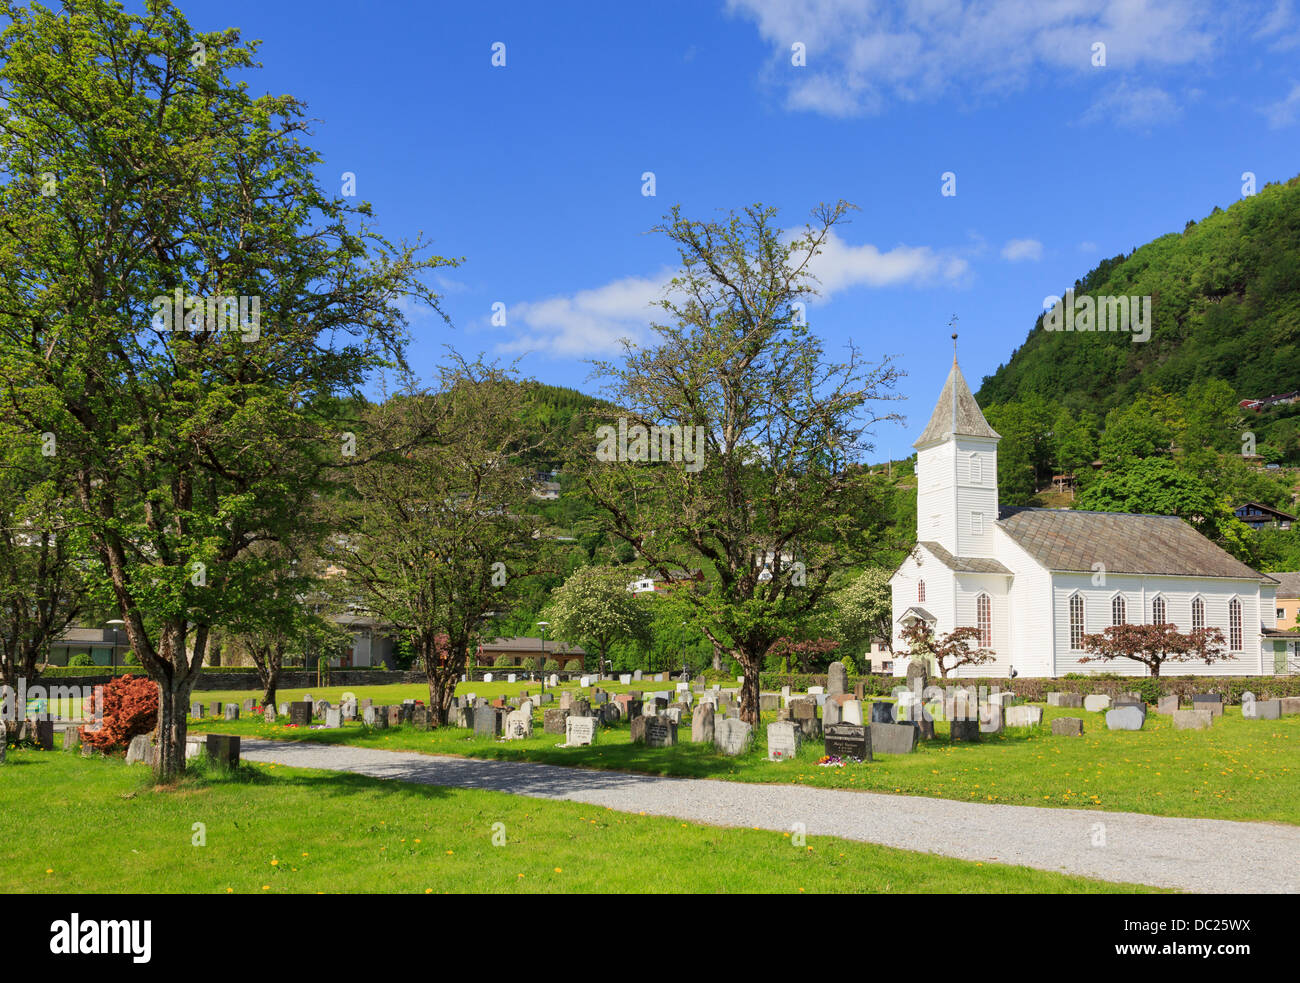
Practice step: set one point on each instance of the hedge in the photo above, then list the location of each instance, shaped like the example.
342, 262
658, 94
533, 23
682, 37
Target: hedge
1036, 690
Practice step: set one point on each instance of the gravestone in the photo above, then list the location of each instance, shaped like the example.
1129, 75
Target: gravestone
837, 679
553, 720
368, 702
194, 746
964, 730
284, 709
1211, 702
224, 749
196, 711
782, 741
519, 725
894, 738
1067, 727
702, 726
232, 711
816, 690
636, 676
1024, 716
45, 733
140, 751
768, 701
732, 736
638, 729
216, 709
1125, 718
860, 691
1096, 703
465, 717
1262, 710
1071, 701
1167, 705
625, 679
849, 741
487, 722
660, 732
319, 707
832, 714
487, 677
882, 712
803, 708
72, 739
584, 681
991, 719
917, 677
1290, 706
370, 714
248, 706
851, 713
349, 709
379, 717
1193, 719
269, 715
579, 731
609, 714
300, 714
333, 718
394, 716
510, 678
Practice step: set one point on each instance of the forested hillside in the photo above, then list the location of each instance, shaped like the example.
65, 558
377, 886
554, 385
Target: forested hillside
1225, 302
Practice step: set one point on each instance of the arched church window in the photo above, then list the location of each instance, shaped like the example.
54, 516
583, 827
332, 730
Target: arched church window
920, 592
1076, 621
1234, 625
1198, 613
984, 620
1118, 610
1158, 612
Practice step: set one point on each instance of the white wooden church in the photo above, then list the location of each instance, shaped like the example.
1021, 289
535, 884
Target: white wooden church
1034, 581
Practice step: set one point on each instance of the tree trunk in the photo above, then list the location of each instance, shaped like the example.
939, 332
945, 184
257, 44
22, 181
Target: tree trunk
749, 689
173, 706
717, 659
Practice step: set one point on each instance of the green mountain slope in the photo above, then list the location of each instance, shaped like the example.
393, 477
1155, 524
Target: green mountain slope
1225, 304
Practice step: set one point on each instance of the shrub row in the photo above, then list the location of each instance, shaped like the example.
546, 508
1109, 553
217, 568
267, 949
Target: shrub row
1036, 690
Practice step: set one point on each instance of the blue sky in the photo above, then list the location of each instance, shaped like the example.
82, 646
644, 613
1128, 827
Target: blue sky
533, 171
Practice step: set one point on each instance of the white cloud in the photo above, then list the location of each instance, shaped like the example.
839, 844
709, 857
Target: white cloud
1087, 246
1133, 106
1285, 111
592, 322
1019, 249
1281, 28
863, 55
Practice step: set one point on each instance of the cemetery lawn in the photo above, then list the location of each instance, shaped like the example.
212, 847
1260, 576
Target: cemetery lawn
1240, 769
277, 830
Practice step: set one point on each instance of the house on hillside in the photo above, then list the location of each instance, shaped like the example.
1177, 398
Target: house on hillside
1035, 581
1257, 516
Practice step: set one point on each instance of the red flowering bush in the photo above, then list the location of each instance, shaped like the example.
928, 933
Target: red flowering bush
130, 707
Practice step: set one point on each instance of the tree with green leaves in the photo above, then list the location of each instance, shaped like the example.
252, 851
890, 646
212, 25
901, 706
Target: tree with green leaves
179, 299
435, 536
47, 574
759, 490
1159, 487
864, 610
595, 609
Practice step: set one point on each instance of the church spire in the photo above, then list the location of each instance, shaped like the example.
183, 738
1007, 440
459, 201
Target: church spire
956, 413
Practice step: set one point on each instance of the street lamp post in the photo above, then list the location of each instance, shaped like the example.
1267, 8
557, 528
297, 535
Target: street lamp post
113, 659
543, 625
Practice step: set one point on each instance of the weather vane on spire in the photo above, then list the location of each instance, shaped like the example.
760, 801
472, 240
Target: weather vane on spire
952, 323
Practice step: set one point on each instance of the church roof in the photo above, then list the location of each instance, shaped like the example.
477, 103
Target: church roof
955, 413
964, 564
1288, 584
1069, 539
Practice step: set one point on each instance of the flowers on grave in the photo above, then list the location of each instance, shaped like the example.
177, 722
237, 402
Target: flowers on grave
830, 761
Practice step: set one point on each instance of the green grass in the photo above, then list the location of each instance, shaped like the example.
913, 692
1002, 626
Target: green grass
1245, 770
79, 825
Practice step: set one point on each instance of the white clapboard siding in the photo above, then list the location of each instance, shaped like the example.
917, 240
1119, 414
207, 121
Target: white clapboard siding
1178, 592
1030, 610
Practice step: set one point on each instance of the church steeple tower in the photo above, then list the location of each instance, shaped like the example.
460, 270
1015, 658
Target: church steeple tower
957, 472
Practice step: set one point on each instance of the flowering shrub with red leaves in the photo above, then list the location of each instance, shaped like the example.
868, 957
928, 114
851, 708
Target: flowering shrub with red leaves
130, 708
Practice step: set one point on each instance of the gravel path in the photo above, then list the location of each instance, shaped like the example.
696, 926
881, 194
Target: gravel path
1204, 855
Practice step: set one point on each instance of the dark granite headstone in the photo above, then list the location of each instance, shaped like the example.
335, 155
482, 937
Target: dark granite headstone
487, 722
964, 730
553, 720
848, 741
300, 714
45, 733
882, 712
224, 749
